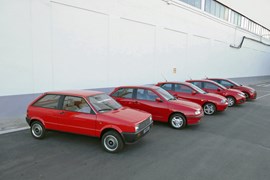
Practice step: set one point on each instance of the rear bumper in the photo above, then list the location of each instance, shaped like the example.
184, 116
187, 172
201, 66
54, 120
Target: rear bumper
28, 120
133, 137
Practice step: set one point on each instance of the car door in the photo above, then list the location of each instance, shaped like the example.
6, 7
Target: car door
211, 88
146, 100
77, 116
125, 97
186, 92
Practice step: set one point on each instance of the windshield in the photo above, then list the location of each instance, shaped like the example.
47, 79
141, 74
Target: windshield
103, 102
221, 86
165, 94
198, 89
234, 83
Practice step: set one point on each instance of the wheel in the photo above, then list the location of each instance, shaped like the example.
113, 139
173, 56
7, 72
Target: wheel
247, 95
231, 101
37, 130
177, 121
209, 108
112, 142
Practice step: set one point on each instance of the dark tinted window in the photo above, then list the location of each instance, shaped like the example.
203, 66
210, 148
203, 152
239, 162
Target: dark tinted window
182, 88
123, 93
167, 86
48, 101
144, 94
226, 83
208, 85
76, 104
198, 84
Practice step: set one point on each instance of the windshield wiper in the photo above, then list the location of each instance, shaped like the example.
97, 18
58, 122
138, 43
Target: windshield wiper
173, 98
105, 109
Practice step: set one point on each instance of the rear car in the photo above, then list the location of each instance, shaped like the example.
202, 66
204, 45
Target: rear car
233, 96
161, 104
90, 113
249, 92
210, 102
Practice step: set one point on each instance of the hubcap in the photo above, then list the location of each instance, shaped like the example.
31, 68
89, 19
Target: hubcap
37, 130
209, 109
230, 101
111, 143
177, 122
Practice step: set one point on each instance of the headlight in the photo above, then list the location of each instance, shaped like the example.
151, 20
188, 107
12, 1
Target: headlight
242, 94
223, 101
151, 120
197, 112
137, 127
252, 91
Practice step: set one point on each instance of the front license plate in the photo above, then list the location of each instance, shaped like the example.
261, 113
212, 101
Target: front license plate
146, 130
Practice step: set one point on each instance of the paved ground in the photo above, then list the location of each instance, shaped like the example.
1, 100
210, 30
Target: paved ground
231, 145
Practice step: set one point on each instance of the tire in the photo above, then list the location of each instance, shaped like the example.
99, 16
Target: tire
247, 96
112, 142
209, 108
37, 130
231, 101
177, 121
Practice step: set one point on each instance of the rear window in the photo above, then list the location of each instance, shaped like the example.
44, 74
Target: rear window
48, 101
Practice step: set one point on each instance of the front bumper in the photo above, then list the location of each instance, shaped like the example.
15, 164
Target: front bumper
133, 137
253, 95
240, 100
193, 120
222, 107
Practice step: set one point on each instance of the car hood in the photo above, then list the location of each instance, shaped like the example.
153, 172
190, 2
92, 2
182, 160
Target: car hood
185, 103
245, 88
127, 114
233, 91
215, 96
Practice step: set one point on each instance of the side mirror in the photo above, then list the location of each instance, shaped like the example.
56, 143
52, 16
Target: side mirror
158, 100
231, 87
194, 92
218, 89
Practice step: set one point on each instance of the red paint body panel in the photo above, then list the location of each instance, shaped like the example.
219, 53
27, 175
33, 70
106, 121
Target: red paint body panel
196, 96
252, 94
223, 91
160, 110
122, 120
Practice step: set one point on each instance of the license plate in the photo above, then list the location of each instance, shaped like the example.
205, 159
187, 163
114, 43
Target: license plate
146, 130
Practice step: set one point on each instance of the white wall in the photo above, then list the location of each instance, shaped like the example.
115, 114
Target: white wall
64, 44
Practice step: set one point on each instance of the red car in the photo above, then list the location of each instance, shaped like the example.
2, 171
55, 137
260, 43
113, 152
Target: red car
209, 102
89, 113
161, 104
250, 93
233, 96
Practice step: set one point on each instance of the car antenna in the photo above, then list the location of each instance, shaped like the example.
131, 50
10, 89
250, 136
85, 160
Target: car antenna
206, 77
164, 77
190, 78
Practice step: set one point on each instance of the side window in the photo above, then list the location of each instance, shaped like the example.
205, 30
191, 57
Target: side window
182, 88
226, 83
48, 101
144, 94
124, 93
208, 85
167, 86
77, 104
198, 84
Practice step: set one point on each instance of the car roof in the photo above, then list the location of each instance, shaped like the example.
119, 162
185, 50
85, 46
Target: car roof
84, 93
140, 86
204, 80
175, 82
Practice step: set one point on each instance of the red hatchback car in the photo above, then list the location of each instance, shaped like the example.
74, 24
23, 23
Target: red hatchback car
233, 96
89, 113
250, 93
210, 102
161, 104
